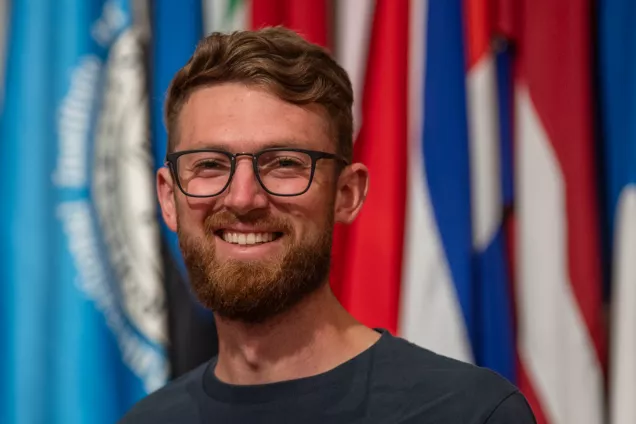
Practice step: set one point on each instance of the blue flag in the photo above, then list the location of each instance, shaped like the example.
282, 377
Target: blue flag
474, 248
617, 71
177, 28
82, 303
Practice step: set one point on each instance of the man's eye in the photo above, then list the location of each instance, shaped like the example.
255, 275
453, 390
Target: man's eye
209, 164
288, 162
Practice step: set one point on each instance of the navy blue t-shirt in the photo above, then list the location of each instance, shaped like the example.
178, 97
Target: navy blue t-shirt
392, 382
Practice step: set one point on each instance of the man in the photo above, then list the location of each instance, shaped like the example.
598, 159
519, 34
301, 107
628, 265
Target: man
259, 168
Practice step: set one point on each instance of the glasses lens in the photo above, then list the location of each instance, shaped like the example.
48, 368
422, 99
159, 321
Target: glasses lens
285, 172
204, 173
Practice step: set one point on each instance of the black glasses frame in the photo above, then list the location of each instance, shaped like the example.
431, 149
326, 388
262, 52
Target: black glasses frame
172, 160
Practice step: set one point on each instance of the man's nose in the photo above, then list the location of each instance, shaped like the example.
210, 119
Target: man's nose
245, 193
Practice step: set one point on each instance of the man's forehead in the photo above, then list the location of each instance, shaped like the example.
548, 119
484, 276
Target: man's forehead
236, 116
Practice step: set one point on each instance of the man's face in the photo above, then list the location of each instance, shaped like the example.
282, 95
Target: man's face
252, 255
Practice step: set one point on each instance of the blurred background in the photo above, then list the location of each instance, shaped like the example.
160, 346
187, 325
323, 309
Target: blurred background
500, 228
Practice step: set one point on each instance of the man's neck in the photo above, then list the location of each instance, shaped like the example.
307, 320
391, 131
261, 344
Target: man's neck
314, 337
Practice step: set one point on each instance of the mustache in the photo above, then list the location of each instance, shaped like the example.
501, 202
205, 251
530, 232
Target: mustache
264, 221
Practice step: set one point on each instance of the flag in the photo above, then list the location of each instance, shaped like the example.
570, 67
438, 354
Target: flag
450, 251
353, 23
177, 28
492, 324
225, 15
352, 30
617, 45
80, 344
25, 225
558, 287
309, 19
437, 284
368, 268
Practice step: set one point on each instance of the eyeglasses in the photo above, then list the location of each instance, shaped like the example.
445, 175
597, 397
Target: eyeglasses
280, 171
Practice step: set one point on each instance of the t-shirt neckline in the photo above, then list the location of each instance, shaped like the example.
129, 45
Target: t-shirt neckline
337, 379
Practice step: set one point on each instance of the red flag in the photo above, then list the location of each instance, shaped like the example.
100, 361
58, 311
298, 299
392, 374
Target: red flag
309, 18
267, 13
368, 254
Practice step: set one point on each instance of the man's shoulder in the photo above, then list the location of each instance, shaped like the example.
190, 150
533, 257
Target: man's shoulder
173, 403
413, 363
419, 381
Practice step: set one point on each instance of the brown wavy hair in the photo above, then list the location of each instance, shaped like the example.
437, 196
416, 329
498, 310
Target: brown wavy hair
275, 58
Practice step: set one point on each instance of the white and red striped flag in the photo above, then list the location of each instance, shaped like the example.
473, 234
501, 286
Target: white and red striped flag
558, 291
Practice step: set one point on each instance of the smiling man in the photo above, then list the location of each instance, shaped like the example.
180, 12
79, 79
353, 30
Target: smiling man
258, 170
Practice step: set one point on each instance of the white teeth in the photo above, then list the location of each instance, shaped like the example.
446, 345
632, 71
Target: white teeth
247, 238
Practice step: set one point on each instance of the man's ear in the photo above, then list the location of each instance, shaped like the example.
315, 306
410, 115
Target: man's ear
351, 191
166, 194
